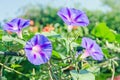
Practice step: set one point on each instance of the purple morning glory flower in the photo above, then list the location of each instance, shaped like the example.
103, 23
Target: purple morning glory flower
16, 25
38, 49
91, 49
73, 17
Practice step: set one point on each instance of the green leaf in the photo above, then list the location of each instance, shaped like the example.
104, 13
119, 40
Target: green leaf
82, 75
86, 31
102, 31
1, 33
113, 47
1, 52
118, 38
94, 69
3, 78
6, 38
110, 36
10, 38
51, 34
62, 56
74, 44
15, 66
56, 54
106, 53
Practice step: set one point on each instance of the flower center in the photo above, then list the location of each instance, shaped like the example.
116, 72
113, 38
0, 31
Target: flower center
15, 28
85, 54
36, 49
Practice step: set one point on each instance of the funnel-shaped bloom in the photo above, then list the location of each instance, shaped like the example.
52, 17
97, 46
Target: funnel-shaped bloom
91, 49
73, 17
38, 49
16, 25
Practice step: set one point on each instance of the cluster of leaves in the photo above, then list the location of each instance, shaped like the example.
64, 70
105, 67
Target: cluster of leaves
64, 45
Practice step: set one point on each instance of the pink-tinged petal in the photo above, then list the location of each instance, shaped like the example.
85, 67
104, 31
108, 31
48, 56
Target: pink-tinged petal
85, 54
70, 28
92, 48
19, 33
41, 50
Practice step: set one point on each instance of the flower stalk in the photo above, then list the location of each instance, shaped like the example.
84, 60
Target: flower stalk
13, 70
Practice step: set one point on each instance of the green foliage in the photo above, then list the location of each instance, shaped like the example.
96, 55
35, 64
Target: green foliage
10, 38
82, 75
118, 38
102, 31
1, 33
51, 34
56, 54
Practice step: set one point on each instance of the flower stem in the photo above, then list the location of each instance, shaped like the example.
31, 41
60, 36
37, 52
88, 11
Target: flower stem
11, 54
50, 71
13, 70
113, 71
20, 34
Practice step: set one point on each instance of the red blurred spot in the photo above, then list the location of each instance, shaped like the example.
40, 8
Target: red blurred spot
48, 28
33, 29
115, 78
75, 27
31, 23
9, 32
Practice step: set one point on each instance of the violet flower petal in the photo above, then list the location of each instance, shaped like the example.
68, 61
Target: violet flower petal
92, 48
16, 25
38, 49
73, 17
